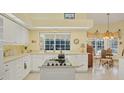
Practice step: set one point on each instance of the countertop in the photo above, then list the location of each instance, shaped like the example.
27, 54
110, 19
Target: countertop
11, 58
56, 53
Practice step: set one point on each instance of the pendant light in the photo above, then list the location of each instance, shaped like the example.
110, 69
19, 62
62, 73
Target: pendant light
108, 34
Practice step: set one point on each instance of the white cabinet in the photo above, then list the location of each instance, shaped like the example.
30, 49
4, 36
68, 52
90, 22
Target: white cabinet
1, 49
14, 33
1, 28
26, 65
1, 55
1, 72
6, 72
17, 69
78, 60
9, 31
36, 61
9, 71
21, 35
25, 36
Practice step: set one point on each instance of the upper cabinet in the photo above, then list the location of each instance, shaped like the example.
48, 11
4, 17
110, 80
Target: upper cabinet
21, 35
8, 34
1, 29
14, 33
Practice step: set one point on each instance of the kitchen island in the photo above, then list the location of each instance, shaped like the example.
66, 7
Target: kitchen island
53, 70
38, 59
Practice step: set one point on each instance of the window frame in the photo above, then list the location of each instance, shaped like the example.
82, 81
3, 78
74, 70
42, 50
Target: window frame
115, 53
55, 38
96, 44
106, 45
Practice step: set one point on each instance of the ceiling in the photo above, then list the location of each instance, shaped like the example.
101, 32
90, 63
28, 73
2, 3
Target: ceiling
54, 20
82, 20
101, 18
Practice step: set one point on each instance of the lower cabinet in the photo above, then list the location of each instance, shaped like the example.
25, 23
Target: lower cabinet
17, 69
1, 72
36, 61
26, 65
79, 60
10, 71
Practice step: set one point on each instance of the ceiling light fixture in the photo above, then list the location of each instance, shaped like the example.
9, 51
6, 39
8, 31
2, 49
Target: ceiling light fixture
108, 34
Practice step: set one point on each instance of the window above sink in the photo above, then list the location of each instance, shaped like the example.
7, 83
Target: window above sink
54, 41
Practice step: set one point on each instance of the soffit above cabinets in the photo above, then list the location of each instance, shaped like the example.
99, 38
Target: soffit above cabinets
37, 21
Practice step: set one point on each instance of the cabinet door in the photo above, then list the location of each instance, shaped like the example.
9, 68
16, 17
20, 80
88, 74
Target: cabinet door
1, 28
1, 45
26, 66
20, 70
28, 58
9, 30
7, 71
21, 35
72, 59
15, 70
1, 72
78, 60
14, 33
10, 71
17, 34
37, 60
1, 56
25, 36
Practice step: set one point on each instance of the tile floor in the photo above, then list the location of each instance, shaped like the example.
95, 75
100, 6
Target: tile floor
95, 73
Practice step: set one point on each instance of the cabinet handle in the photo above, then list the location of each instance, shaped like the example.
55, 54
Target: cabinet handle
6, 65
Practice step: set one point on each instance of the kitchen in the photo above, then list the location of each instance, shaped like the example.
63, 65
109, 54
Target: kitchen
28, 40
25, 49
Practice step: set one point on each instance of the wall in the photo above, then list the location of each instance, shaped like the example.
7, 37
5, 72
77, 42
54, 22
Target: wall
17, 49
80, 34
75, 34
